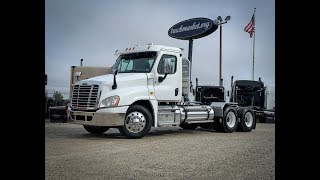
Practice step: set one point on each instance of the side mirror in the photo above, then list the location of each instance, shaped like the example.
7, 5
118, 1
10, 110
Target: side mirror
114, 86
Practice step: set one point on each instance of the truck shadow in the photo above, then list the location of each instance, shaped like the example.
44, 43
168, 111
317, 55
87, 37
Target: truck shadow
153, 133
168, 132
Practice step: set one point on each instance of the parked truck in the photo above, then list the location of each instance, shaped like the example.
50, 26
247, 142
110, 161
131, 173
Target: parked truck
79, 73
59, 110
150, 87
254, 95
208, 94
48, 100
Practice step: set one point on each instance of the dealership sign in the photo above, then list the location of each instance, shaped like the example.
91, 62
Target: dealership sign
193, 28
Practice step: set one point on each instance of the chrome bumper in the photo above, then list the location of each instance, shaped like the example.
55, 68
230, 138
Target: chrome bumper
102, 117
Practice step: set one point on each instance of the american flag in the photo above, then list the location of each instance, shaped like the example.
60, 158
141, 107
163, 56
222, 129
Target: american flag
250, 27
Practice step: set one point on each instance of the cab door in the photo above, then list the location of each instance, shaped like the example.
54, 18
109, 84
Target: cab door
167, 82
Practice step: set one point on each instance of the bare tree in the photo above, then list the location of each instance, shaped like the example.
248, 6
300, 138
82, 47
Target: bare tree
57, 96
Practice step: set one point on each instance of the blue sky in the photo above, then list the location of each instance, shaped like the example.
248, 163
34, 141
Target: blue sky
93, 30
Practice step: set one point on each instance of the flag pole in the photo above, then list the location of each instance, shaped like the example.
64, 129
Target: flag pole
254, 38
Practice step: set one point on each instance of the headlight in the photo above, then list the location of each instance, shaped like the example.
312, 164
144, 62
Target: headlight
112, 101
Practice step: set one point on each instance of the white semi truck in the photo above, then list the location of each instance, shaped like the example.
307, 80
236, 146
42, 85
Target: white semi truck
150, 87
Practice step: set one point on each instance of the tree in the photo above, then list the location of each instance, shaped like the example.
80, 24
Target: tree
57, 96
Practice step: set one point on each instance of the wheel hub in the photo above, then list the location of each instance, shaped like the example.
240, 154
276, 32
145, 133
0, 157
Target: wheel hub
231, 119
135, 122
248, 120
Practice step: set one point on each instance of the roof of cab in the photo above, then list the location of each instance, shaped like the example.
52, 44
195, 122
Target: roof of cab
144, 48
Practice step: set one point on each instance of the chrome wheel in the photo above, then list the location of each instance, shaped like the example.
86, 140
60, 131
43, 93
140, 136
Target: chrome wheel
231, 119
135, 122
248, 119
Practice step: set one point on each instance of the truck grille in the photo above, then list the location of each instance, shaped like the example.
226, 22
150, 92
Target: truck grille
84, 97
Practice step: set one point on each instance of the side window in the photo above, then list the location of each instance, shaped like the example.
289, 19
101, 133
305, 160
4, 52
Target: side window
167, 64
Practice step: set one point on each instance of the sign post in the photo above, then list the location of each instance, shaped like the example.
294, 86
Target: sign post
190, 54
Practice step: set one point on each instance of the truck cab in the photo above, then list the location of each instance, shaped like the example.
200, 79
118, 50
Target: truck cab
254, 95
149, 87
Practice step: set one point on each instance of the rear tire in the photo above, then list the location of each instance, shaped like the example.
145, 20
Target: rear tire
229, 120
189, 126
96, 129
248, 120
137, 122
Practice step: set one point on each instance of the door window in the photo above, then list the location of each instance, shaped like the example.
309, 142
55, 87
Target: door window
167, 64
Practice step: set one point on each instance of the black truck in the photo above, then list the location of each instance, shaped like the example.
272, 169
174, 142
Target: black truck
59, 110
252, 94
208, 94
246, 93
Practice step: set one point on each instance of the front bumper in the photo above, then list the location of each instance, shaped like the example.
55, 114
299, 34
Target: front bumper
102, 117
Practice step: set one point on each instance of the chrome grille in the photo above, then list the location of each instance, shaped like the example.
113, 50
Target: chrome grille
85, 97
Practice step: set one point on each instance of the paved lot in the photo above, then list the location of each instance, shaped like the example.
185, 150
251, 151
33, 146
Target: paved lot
165, 153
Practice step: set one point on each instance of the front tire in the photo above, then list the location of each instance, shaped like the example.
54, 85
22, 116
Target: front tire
96, 129
137, 122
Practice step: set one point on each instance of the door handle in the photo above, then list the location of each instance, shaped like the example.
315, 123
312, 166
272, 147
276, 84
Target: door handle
176, 92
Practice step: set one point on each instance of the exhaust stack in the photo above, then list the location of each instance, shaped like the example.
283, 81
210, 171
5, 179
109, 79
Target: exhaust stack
231, 81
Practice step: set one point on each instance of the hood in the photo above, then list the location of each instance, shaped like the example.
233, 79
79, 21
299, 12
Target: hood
120, 78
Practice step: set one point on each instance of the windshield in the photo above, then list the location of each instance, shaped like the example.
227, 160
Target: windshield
136, 62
